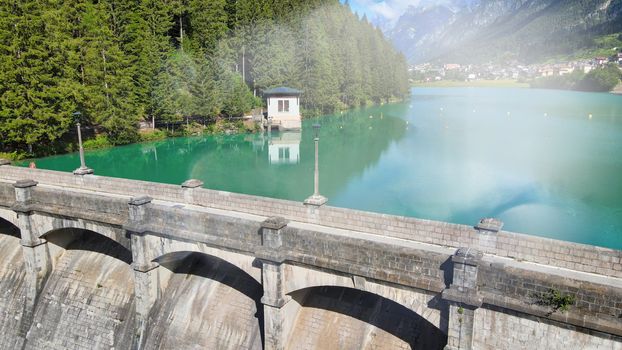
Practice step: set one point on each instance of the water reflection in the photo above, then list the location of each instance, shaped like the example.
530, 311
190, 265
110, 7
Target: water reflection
284, 148
277, 164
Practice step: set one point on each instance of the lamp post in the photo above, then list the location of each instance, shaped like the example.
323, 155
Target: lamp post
316, 198
83, 169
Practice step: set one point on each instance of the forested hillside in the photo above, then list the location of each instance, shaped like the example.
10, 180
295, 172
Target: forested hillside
504, 30
117, 62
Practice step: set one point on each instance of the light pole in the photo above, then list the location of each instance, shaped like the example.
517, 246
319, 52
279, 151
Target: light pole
316, 198
83, 169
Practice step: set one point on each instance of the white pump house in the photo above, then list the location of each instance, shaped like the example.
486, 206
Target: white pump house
284, 108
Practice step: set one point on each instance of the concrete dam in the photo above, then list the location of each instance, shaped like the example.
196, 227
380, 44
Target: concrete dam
91, 262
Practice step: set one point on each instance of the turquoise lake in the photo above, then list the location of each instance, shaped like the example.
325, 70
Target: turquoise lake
545, 162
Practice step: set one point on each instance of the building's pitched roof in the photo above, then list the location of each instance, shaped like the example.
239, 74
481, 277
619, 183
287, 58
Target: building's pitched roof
282, 90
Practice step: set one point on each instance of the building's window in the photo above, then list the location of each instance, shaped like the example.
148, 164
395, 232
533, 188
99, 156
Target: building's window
283, 152
283, 105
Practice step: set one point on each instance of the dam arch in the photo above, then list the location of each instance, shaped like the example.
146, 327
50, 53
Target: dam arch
203, 299
180, 261
9, 228
344, 317
43, 225
424, 303
168, 248
9, 216
88, 286
70, 238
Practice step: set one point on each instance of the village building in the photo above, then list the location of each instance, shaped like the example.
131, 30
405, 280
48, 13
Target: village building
563, 70
547, 71
587, 68
451, 66
283, 108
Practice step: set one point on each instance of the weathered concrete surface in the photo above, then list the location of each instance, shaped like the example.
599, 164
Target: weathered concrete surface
343, 318
513, 331
209, 304
424, 304
12, 284
87, 301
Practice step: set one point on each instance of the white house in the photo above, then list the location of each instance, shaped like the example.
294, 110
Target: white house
284, 108
285, 148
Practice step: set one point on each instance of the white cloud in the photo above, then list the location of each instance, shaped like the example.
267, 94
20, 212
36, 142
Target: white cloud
388, 10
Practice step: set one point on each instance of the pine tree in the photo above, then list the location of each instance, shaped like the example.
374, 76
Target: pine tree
208, 23
173, 98
145, 42
318, 77
36, 95
110, 99
274, 63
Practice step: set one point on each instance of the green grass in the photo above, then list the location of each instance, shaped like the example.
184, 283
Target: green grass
474, 83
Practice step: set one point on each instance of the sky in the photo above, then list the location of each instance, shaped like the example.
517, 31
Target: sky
385, 10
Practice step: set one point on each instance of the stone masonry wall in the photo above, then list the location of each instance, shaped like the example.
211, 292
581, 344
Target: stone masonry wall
595, 306
495, 330
385, 262
83, 205
204, 227
7, 193
529, 248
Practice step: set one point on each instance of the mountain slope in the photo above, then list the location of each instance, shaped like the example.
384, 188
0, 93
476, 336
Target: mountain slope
494, 30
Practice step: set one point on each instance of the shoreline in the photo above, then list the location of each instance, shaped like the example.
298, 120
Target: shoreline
508, 83
160, 134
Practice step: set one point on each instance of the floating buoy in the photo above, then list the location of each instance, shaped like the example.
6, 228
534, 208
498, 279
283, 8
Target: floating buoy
341, 127
590, 116
546, 114
407, 122
371, 116
370, 128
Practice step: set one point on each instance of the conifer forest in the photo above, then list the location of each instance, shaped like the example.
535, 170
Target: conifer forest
110, 64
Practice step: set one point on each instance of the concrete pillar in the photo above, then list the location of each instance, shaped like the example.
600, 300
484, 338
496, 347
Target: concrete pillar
146, 289
463, 299
277, 319
37, 259
488, 229
35, 250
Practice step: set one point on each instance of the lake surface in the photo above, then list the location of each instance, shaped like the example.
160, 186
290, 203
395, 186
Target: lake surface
533, 158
